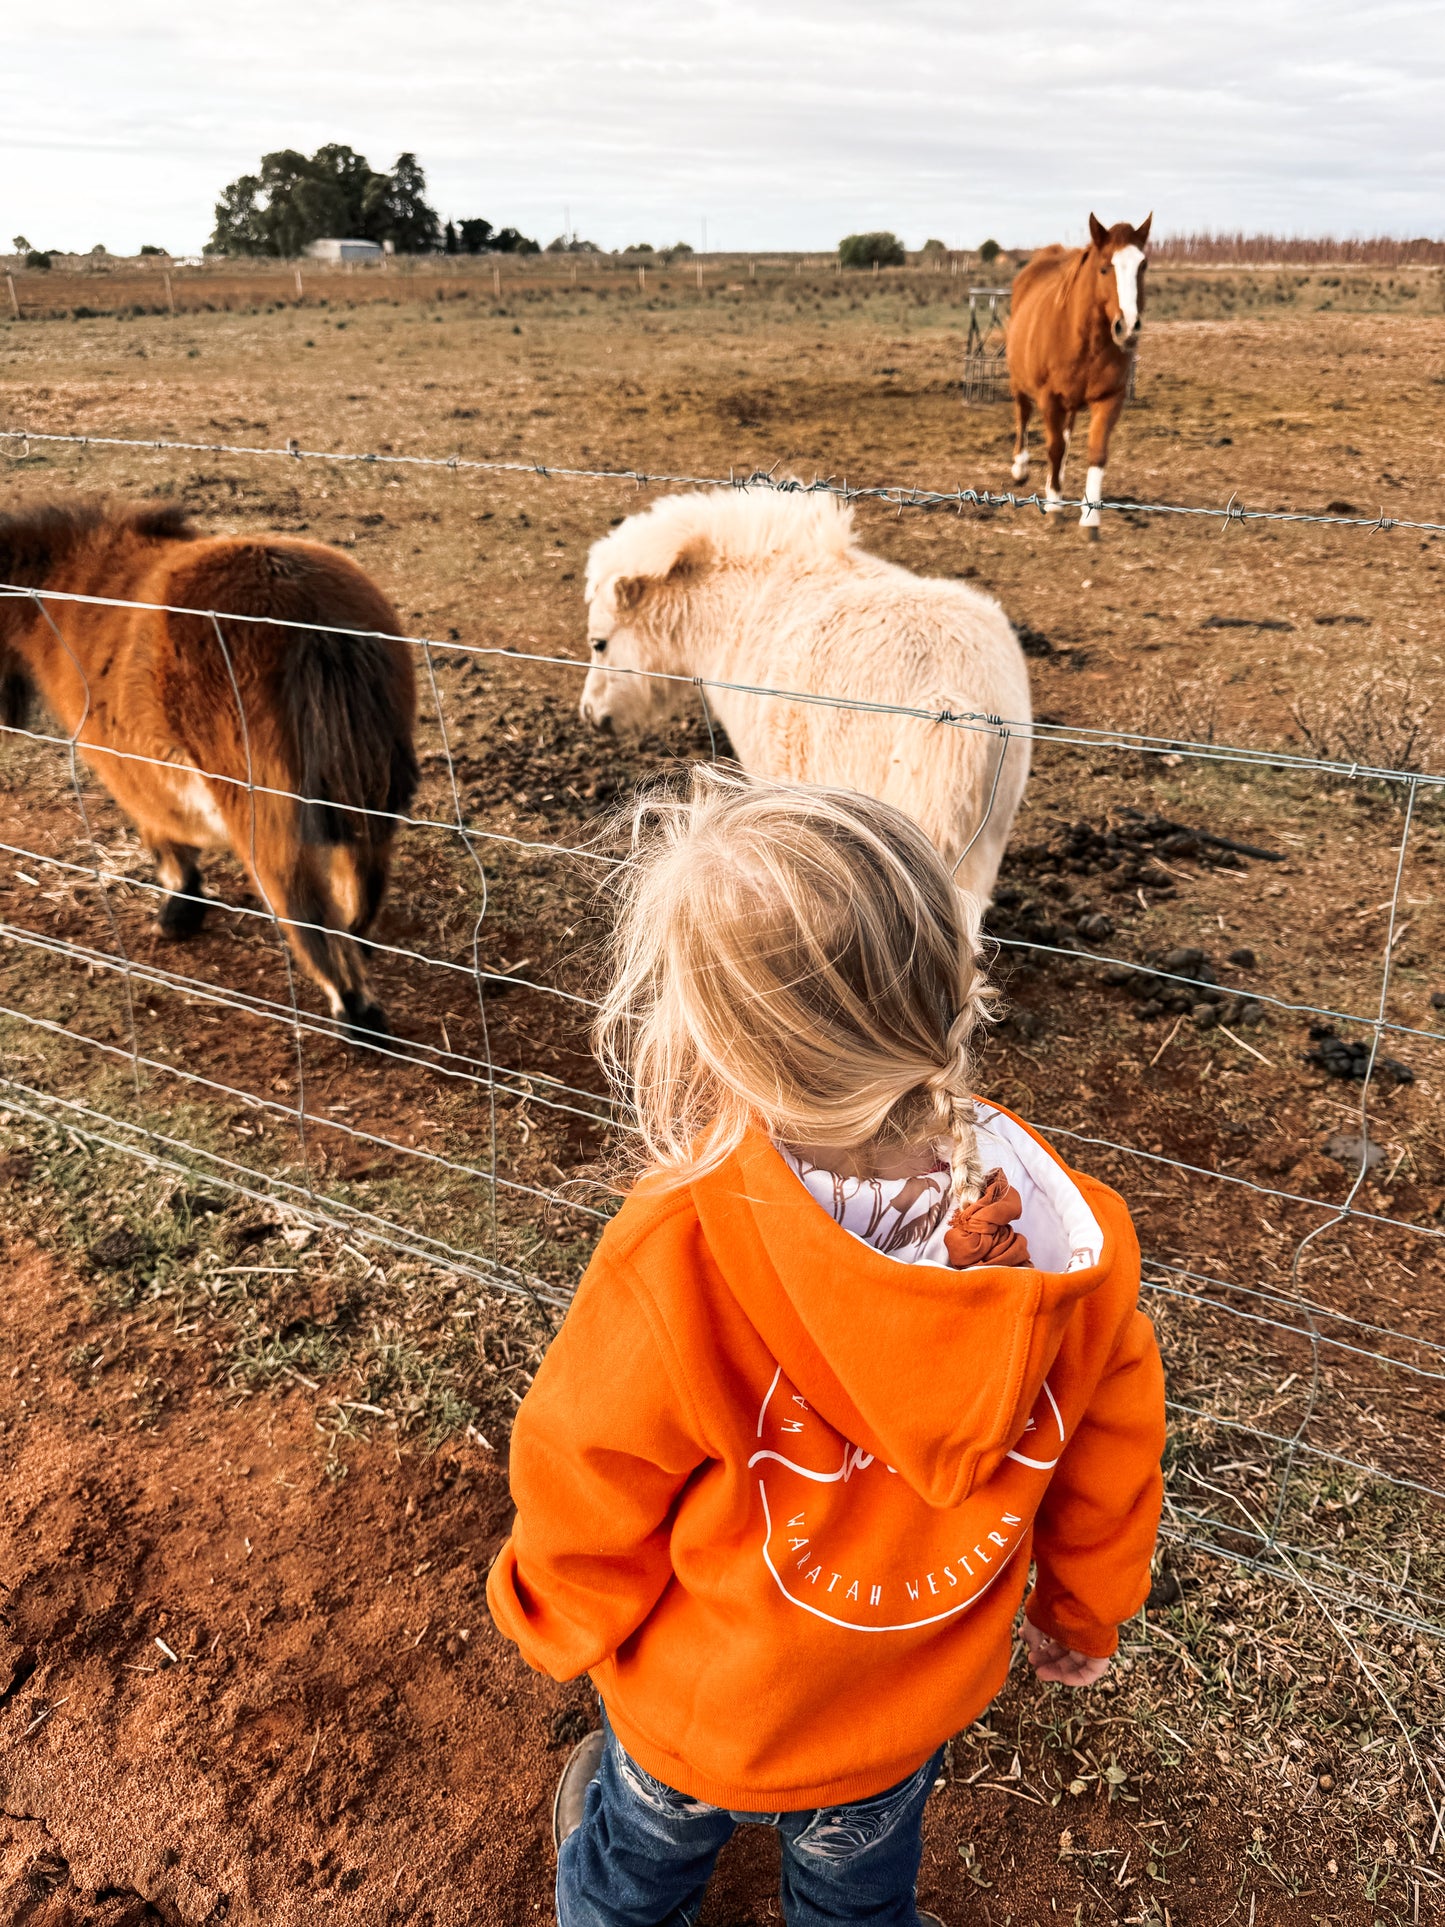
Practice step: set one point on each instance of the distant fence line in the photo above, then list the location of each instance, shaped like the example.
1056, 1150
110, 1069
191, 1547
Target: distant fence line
83, 286
1295, 251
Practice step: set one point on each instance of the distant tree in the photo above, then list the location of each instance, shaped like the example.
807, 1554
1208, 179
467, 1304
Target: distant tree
294, 200
238, 218
394, 208
570, 244
989, 252
21, 245
99, 249
148, 249
450, 244
510, 240
475, 236
681, 247
934, 247
37, 258
865, 250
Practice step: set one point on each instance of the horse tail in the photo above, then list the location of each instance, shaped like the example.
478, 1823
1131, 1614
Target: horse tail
347, 705
17, 691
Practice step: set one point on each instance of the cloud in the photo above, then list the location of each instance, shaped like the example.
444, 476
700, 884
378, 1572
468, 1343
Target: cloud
781, 126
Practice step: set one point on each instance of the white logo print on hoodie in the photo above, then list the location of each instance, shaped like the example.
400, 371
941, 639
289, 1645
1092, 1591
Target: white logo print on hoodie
819, 1493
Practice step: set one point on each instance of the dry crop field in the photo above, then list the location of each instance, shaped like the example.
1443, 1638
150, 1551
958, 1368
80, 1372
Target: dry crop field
252, 1472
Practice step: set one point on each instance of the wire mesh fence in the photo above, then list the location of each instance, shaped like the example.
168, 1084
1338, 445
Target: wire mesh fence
475, 1139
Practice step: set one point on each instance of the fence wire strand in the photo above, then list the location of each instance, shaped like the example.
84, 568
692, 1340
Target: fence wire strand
895, 495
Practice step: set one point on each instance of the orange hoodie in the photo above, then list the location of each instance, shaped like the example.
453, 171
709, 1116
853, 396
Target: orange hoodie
778, 1492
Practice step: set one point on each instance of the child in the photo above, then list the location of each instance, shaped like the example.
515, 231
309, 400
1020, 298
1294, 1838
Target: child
857, 1348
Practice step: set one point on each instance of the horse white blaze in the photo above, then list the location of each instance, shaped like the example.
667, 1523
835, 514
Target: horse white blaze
1127, 263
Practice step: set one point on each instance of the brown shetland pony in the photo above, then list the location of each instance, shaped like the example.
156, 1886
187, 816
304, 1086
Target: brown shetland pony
1073, 327
327, 717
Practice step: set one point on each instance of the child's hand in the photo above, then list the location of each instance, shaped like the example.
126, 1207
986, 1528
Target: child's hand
1052, 1661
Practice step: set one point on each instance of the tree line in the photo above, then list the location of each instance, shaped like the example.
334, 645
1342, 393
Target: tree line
294, 199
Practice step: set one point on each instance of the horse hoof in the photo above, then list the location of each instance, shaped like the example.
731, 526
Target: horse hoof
365, 1021
181, 917
1091, 531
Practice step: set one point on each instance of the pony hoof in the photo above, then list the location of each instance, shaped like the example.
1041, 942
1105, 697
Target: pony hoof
365, 1021
181, 917
1091, 531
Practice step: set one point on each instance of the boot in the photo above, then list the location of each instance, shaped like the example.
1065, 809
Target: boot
584, 1763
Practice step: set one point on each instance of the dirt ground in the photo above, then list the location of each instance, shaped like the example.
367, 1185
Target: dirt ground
240, 1689
340, 1735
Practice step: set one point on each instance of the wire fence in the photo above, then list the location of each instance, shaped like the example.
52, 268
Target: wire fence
1337, 1359
897, 495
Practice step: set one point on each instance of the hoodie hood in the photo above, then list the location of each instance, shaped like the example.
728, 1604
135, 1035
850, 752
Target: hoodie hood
973, 1348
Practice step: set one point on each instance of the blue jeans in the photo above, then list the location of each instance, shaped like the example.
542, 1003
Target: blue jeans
644, 1852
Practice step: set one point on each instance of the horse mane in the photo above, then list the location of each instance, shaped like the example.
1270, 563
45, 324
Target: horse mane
33, 539
722, 525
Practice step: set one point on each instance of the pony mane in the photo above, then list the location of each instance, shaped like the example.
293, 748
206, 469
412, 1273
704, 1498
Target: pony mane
724, 525
33, 538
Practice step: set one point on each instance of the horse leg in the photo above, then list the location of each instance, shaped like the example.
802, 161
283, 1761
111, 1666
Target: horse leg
1056, 442
1023, 408
359, 873
295, 883
183, 909
1102, 417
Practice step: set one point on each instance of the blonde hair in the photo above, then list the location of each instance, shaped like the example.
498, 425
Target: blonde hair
792, 958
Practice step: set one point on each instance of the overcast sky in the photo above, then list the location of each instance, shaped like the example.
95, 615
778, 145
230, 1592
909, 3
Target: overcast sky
781, 125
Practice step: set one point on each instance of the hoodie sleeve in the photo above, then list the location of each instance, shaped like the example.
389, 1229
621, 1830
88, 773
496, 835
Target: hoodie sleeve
602, 1445
1094, 1533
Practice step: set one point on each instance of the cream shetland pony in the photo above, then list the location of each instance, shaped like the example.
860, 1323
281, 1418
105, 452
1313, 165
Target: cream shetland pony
772, 590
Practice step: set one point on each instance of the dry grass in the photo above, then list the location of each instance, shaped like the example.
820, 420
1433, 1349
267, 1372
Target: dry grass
1376, 719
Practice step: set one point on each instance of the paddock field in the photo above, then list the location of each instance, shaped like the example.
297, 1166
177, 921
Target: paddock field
253, 1475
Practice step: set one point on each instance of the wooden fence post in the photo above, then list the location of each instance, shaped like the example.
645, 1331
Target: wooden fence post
170, 293
300, 290
14, 298
641, 278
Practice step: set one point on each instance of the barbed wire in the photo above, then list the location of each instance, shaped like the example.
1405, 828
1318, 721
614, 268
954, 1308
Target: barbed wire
896, 495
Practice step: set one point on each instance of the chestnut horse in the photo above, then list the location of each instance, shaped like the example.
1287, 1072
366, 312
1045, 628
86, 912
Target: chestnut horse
1073, 328
291, 746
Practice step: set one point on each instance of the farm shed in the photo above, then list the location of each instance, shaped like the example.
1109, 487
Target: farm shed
335, 250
